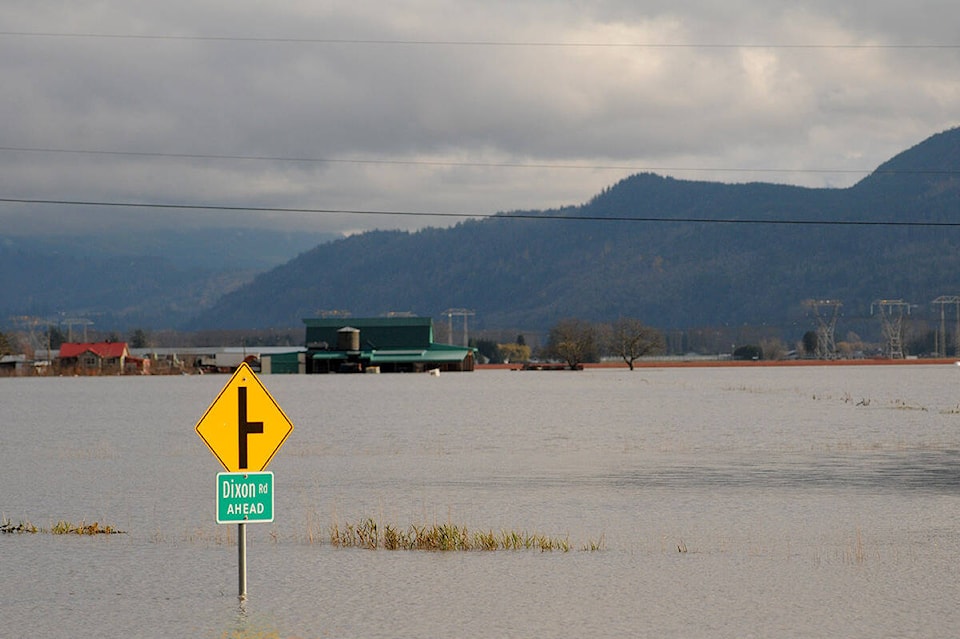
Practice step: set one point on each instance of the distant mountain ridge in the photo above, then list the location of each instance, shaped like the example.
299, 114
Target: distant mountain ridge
119, 280
671, 273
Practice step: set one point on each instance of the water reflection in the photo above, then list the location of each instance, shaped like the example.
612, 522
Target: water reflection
930, 471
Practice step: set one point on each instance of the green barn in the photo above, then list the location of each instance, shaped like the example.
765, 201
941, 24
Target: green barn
380, 344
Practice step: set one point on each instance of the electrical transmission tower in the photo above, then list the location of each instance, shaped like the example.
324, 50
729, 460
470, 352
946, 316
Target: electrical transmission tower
458, 312
891, 320
37, 338
72, 321
943, 300
826, 313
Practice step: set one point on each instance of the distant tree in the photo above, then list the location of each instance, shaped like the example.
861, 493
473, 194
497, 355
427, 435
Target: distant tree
488, 349
573, 341
630, 339
772, 348
6, 345
513, 352
747, 352
139, 339
810, 343
55, 337
520, 340
921, 341
853, 346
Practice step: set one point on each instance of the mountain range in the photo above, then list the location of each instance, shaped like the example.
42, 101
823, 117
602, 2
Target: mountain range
676, 254
126, 279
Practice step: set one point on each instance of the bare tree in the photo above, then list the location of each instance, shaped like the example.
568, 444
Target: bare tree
6, 345
573, 341
630, 339
773, 348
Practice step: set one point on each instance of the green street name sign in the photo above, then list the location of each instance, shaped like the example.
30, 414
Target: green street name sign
244, 498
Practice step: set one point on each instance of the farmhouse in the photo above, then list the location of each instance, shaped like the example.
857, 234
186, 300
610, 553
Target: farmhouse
381, 344
100, 357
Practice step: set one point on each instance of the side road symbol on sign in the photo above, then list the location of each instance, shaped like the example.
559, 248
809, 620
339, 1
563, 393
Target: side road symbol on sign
244, 427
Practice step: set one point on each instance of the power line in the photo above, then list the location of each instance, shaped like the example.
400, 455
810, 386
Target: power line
476, 43
471, 164
509, 216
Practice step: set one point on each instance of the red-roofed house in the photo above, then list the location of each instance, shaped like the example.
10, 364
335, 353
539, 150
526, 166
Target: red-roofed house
99, 357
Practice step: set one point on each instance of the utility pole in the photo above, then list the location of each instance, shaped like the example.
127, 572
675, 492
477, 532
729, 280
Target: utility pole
891, 320
826, 313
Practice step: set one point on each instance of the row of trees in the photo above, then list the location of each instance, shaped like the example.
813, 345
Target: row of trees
577, 341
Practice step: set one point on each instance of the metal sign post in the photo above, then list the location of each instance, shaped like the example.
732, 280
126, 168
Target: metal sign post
242, 559
244, 428
244, 498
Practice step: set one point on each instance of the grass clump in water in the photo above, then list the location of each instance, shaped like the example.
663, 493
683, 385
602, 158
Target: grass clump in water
60, 528
95, 528
443, 538
7, 526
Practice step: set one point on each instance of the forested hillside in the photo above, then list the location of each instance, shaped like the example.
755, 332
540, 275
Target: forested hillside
674, 253
120, 280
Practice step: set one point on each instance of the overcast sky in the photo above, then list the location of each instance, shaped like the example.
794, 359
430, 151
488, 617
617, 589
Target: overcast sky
447, 106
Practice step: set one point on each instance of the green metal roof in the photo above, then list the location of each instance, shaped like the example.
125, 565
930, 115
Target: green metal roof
400, 356
429, 355
376, 333
329, 355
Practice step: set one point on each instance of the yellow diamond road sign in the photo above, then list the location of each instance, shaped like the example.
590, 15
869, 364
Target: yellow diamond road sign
244, 427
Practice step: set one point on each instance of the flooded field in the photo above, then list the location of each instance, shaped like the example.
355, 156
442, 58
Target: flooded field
697, 502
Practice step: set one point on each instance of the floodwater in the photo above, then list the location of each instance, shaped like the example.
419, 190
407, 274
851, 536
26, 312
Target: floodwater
728, 502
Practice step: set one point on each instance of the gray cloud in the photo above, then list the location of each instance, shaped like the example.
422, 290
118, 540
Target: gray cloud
432, 108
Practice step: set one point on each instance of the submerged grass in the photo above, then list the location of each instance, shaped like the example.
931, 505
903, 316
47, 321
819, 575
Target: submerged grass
365, 534
7, 526
60, 528
444, 537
